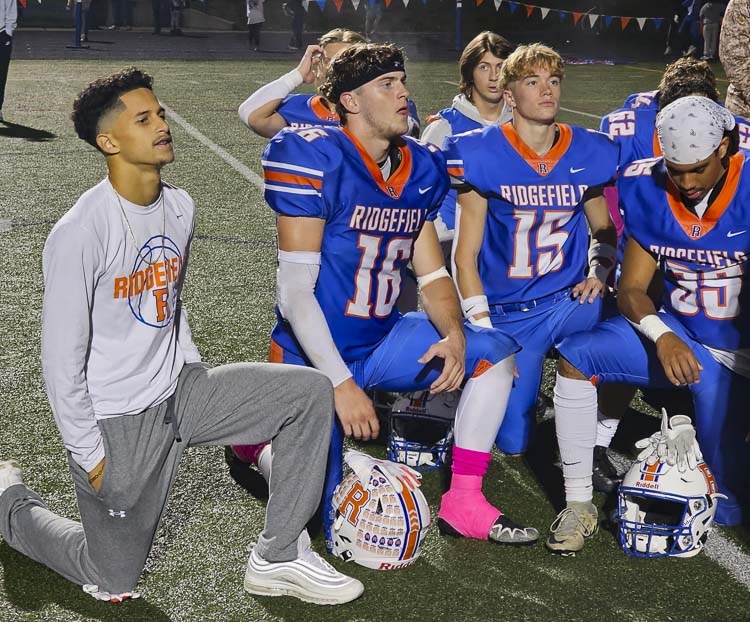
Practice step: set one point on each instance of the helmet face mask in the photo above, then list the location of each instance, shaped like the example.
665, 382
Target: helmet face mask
420, 429
663, 512
376, 526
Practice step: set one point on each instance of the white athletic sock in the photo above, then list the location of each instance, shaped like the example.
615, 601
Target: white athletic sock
264, 462
481, 408
575, 422
605, 429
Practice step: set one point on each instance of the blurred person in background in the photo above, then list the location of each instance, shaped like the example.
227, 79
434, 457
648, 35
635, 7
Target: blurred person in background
733, 51
711, 14
8, 15
255, 19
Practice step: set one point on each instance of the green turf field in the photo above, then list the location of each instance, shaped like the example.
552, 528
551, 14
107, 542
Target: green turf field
195, 571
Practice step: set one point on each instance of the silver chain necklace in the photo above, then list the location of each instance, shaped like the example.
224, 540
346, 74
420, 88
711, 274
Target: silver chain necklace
132, 235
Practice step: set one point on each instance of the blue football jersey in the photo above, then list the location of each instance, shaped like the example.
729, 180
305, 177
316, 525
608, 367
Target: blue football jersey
300, 110
370, 224
536, 238
703, 260
633, 128
642, 100
459, 123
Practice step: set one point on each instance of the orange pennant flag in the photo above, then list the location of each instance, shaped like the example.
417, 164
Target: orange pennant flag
338, 4
479, 2
529, 10
624, 21
22, 3
577, 18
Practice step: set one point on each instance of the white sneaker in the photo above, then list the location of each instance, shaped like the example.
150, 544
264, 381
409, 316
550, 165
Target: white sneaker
309, 578
10, 475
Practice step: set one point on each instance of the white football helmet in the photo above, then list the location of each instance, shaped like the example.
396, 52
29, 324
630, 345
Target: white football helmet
376, 526
663, 512
420, 429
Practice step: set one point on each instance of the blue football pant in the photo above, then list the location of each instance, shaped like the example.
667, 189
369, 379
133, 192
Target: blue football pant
537, 331
615, 352
394, 366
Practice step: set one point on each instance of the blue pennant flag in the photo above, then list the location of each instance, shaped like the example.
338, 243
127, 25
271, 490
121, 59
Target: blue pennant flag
513, 6
608, 20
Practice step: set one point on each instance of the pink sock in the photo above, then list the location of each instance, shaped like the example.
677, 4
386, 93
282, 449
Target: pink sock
464, 507
248, 453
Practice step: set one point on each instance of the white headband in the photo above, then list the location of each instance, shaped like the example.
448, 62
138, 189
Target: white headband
691, 128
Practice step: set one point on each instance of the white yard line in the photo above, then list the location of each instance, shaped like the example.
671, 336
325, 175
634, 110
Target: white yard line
729, 556
238, 166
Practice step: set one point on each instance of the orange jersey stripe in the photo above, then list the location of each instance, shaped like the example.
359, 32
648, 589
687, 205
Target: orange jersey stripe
688, 220
276, 354
394, 186
288, 178
534, 160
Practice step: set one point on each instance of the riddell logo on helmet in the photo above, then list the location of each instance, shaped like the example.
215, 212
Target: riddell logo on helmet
387, 566
651, 485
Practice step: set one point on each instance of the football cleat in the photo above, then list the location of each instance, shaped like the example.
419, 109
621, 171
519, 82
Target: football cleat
572, 526
309, 578
504, 531
604, 477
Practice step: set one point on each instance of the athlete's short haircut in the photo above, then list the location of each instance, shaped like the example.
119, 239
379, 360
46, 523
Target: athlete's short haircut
341, 35
527, 59
356, 66
102, 97
687, 76
476, 48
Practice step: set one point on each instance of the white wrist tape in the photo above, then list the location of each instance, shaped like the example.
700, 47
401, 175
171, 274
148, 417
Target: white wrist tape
440, 273
602, 260
278, 89
296, 278
484, 322
651, 327
474, 305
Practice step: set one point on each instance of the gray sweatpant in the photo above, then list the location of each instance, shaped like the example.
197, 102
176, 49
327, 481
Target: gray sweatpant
242, 404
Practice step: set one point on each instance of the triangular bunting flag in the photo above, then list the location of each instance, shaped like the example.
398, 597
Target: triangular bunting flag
544, 11
479, 2
513, 6
658, 22
641, 22
306, 5
577, 18
355, 4
497, 4
562, 15
592, 19
624, 21
608, 20
529, 10
337, 4
387, 3
406, 2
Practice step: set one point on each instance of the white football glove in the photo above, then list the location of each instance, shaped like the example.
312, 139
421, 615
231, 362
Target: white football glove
398, 475
674, 444
93, 590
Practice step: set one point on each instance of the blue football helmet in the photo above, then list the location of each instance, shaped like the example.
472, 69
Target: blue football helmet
420, 429
663, 512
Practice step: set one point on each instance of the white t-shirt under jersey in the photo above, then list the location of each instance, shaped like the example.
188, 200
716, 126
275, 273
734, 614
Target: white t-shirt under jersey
113, 274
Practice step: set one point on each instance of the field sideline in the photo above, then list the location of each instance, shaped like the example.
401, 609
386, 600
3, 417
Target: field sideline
195, 570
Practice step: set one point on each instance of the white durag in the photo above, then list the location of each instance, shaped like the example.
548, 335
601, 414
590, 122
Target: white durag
691, 128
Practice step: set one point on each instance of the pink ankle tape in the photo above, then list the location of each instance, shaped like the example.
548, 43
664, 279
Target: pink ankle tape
468, 512
248, 453
470, 462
